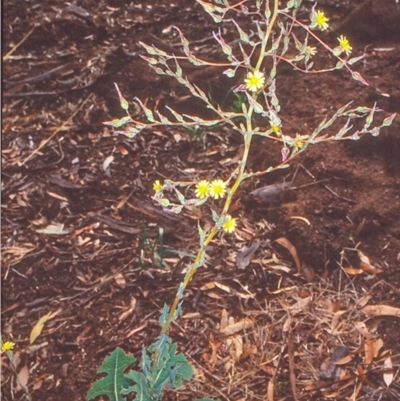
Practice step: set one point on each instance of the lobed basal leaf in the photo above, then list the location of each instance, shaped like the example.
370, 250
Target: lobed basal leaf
112, 384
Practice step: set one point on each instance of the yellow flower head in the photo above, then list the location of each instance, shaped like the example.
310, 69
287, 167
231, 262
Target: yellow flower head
217, 189
7, 346
229, 225
276, 129
254, 81
202, 189
310, 51
345, 44
319, 20
157, 185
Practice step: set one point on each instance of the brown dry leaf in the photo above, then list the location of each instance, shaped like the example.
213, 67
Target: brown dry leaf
381, 310
136, 330
345, 360
121, 149
120, 280
238, 326
363, 301
22, 378
213, 295
291, 248
336, 319
238, 342
301, 218
366, 265
53, 229
37, 329
271, 389
215, 346
388, 374
108, 160
378, 344
245, 254
224, 320
352, 271
223, 287
300, 306
369, 351
362, 328
130, 310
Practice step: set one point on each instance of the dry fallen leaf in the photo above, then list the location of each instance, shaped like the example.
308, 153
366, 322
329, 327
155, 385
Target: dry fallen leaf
291, 248
120, 280
53, 229
271, 389
366, 265
238, 326
381, 310
388, 374
352, 271
369, 351
108, 160
22, 378
38, 327
245, 254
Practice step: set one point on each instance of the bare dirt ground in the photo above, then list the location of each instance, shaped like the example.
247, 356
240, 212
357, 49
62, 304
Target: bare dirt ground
88, 245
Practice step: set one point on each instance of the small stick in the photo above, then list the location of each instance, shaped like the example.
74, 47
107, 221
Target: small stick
7, 56
57, 130
328, 188
292, 375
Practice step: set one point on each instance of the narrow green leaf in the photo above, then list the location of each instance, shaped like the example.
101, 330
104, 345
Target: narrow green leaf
388, 120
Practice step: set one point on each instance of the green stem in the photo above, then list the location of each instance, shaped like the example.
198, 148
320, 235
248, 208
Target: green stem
247, 142
267, 34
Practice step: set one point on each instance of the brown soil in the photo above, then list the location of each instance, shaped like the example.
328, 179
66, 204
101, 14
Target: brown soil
110, 274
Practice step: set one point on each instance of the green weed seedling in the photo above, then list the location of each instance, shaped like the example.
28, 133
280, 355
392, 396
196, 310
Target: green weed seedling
279, 38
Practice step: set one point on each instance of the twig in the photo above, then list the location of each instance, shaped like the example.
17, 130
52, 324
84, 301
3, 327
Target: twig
62, 127
291, 366
328, 188
6, 57
37, 78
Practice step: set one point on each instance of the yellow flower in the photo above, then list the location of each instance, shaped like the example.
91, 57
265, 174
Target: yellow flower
157, 185
254, 81
310, 51
230, 224
319, 20
7, 346
217, 189
299, 141
202, 189
345, 44
276, 129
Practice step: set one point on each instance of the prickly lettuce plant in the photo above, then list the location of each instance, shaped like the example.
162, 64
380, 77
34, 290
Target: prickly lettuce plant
276, 39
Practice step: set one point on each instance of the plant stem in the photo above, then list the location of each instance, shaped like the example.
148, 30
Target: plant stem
192, 268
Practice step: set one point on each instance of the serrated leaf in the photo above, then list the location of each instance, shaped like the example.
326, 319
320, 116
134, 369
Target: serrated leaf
202, 234
111, 385
215, 216
141, 388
